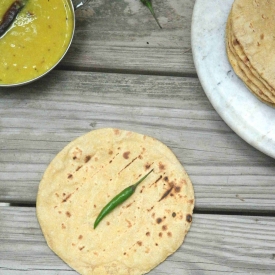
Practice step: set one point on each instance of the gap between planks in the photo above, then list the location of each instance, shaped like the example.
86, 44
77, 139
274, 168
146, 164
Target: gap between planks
247, 213
126, 71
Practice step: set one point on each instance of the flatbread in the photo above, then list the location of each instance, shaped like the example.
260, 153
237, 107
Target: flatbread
240, 69
137, 235
253, 25
243, 58
240, 62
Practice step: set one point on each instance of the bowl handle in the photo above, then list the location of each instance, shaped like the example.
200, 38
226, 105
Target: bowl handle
79, 3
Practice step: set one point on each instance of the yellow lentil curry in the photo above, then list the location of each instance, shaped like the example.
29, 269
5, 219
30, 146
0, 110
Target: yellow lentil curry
36, 40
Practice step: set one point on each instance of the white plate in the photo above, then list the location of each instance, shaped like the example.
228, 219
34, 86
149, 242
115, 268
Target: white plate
251, 119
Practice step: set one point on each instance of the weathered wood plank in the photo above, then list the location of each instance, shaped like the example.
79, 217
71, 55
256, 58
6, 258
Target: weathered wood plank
216, 244
123, 36
38, 120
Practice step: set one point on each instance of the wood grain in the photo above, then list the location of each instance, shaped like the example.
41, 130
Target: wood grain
38, 120
216, 244
123, 36
122, 71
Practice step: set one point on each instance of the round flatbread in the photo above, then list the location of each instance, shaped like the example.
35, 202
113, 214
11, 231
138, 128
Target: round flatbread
253, 25
138, 234
242, 69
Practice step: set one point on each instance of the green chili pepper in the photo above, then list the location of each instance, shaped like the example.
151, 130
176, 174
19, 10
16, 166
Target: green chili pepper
118, 199
148, 4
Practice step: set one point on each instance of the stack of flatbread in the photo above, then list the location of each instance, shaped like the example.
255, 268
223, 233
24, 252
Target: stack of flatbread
138, 234
250, 43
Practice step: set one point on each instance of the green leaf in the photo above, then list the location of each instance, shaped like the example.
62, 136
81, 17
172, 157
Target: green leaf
148, 4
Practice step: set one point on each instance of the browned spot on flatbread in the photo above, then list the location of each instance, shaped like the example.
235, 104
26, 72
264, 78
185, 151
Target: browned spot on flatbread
161, 166
169, 234
80, 237
165, 178
82, 247
128, 205
139, 243
177, 189
126, 154
183, 182
188, 218
68, 214
150, 208
79, 167
110, 161
63, 226
171, 184
190, 201
117, 132
129, 223
174, 214
77, 153
158, 179
57, 195
164, 227
141, 189
87, 158
70, 176
166, 193
235, 42
159, 220
160, 234
147, 166
262, 36
147, 234
128, 165
110, 152
67, 197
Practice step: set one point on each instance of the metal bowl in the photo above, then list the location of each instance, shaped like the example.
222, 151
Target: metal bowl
74, 5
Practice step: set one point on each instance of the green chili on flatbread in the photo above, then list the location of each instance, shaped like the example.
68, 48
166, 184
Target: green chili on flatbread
118, 199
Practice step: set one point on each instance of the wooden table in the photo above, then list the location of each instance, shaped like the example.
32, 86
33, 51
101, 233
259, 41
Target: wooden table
122, 71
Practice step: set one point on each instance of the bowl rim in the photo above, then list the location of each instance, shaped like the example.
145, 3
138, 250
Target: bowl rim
10, 85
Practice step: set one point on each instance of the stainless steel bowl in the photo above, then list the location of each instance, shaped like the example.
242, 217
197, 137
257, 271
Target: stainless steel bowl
75, 4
